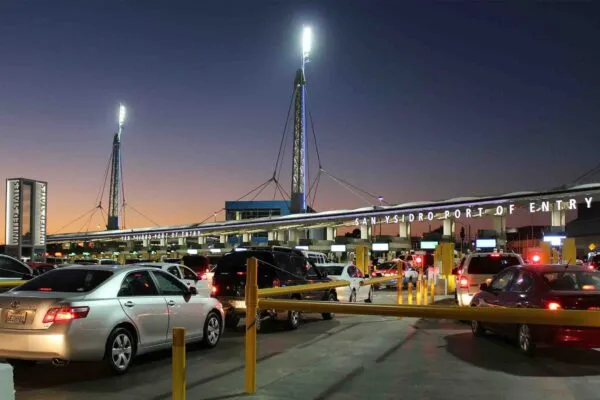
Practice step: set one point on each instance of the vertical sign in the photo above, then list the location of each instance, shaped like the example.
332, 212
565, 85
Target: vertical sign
39, 224
13, 212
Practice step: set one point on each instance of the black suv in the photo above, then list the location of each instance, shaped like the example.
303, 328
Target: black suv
276, 267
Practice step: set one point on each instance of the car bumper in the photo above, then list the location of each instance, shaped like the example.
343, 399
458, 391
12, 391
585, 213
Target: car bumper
33, 345
464, 299
574, 337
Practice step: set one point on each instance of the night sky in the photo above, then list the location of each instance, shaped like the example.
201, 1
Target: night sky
410, 102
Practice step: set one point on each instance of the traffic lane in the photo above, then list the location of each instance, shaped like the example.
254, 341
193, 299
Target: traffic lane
442, 359
150, 377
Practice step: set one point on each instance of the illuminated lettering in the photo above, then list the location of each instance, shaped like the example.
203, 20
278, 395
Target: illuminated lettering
572, 204
430, 216
468, 213
532, 207
499, 210
373, 220
511, 209
396, 219
588, 202
446, 214
411, 217
558, 204
420, 217
456, 213
545, 206
387, 219
480, 209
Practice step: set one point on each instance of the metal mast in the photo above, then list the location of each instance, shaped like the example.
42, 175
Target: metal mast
298, 198
114, 199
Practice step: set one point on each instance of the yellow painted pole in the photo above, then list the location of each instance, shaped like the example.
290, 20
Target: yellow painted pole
251, 305
425, 287
410, 296
432, 291
399, 297
419, 284
178, 379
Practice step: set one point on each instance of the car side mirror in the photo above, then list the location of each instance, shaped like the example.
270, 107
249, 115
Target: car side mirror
192, 290
483, 287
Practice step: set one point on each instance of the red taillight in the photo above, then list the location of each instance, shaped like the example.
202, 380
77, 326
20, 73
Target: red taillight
241, 272
213, 290
495, 255
62, 314
276, 283
552, 305
463, 283
535, 258
45, 289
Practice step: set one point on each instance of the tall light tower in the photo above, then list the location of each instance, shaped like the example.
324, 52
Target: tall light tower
299, 156
115, 175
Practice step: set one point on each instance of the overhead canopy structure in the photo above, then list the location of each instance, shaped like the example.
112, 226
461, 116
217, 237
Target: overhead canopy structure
568, 198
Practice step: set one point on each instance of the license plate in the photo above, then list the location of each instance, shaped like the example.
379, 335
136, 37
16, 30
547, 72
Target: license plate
16, 317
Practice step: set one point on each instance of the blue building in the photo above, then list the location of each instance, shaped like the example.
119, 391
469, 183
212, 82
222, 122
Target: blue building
238, 210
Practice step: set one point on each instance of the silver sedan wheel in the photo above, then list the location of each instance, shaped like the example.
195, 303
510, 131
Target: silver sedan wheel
121, 351
213, 330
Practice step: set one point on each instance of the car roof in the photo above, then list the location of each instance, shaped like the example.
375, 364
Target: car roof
547, 268
156, 264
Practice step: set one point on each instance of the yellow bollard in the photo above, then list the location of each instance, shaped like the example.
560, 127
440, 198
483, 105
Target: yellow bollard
251, 304
410, 296
432, 291
178, 368
419, 284
399, 297
425, 288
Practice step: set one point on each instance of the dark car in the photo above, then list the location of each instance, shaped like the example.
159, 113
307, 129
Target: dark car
276, 268
549, 287
40, 267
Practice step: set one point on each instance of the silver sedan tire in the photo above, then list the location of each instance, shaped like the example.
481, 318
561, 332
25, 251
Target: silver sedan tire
212, 330
120, 350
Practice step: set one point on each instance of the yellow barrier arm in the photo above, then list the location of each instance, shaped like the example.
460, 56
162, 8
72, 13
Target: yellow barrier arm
12, 283
487, 314
301, 288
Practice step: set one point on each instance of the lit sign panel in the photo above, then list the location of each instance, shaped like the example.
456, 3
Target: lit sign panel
381, 247
13, 212
485, 243
473, 212
428, 245
338, 248
39, 236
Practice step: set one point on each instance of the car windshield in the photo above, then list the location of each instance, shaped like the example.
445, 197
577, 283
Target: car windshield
491, 264
333, 270
573, 280
387, 265
67, 280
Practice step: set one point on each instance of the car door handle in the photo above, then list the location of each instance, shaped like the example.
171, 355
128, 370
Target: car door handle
171, 303
129, 304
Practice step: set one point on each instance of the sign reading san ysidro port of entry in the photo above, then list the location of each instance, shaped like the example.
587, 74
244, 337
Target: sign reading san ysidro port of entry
477, 212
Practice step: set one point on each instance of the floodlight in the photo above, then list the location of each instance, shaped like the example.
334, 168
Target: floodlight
122, 113
306, 40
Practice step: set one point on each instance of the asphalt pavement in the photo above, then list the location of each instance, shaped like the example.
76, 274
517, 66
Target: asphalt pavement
349, 357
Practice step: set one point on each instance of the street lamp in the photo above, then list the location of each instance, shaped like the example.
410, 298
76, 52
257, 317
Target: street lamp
306, 44
122, 114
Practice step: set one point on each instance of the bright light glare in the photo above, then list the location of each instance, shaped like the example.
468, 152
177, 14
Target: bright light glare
306, 40
122, 112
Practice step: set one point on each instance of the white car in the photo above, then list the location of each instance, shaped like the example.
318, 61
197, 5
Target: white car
185, 274
356, 291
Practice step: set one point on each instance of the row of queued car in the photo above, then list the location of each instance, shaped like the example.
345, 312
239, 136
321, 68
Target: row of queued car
112, 313
505, 280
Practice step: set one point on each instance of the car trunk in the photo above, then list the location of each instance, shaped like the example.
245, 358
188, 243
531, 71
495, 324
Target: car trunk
571, 300
229, 279
26, 310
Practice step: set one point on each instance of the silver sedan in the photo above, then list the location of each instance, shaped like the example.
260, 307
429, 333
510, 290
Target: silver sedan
97, 312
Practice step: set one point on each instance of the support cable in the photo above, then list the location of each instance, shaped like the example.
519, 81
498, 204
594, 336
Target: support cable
281, 152
587, 174
100, 195
75, 220
349, 188
143, 215
348, 184
87, 222
124, 202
